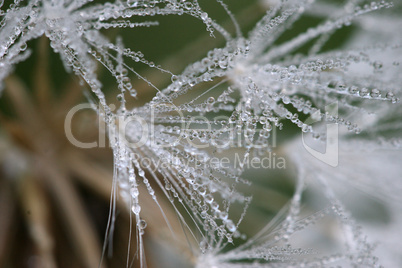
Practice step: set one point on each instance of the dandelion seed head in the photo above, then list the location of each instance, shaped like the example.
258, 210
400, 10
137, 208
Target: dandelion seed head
165, 149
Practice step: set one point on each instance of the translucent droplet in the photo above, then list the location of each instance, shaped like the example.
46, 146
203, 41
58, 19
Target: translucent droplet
174, 78
223, 215
134, 192
132, 3
124, 72
375, 93
231, 226
142, 224
202, 190
136, 208
264, 133
389, 95
306, 128
203, 245
377, 65
120, 97
208, 198
223, 64
168, 186
23, 46
286, 100
363, 92
204, 16
353, 90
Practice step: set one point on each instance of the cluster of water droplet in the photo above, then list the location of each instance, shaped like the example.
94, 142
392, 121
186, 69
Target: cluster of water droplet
258, 84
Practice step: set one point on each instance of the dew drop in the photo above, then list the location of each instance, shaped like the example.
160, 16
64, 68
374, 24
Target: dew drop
204, 16
132, 3
136, 208
23, 47
306, 128
211, 100
377, 65
120, 97
375, 93
389, 95
142, 224
363, 92
286, 100
353, 90
231, 226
